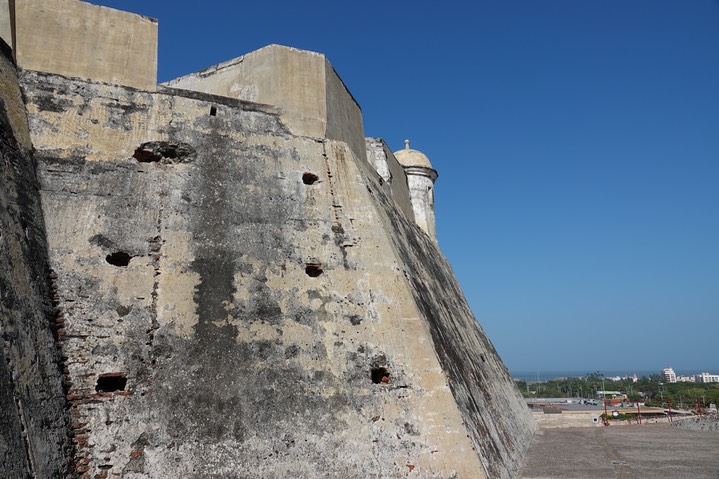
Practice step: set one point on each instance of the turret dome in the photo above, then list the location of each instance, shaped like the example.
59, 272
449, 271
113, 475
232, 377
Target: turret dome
409, 157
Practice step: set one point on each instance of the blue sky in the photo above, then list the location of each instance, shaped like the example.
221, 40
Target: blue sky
577, 144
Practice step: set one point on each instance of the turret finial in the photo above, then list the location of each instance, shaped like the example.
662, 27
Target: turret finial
406, 144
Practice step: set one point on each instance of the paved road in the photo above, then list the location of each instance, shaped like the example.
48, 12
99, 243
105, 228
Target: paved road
623, 452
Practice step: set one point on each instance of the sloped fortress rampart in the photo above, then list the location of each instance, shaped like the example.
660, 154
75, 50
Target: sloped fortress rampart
221, 277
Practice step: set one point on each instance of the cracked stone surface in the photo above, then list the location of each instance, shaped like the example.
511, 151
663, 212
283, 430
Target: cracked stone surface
226, 315
34, 425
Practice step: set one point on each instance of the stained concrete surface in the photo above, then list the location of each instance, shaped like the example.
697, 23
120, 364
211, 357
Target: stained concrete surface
192, 288
34, 426
182, 228
78, 39
312, 98
646, 451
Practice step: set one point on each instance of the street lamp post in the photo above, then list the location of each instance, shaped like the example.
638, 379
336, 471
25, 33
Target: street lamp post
661, 393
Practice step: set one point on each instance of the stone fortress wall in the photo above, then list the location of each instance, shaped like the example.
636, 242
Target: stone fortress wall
34, 428
78, 39
228, 281
313, 101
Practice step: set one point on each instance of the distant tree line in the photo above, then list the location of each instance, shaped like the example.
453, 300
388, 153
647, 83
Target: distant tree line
652, 390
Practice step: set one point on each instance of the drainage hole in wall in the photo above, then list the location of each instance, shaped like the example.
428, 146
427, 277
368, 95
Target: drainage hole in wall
213, 111
482, 358
313, 269
146, 156
379, 375
309, 178
111, 382
118, 258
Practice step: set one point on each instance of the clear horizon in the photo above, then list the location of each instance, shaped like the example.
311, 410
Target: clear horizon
576, 145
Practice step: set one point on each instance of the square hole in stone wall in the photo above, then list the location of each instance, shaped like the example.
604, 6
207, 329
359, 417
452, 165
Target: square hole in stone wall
111, 382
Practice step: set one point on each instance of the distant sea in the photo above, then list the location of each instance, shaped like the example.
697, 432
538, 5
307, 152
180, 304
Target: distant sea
547, 375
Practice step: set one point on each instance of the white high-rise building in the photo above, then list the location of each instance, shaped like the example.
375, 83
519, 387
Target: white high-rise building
669, 375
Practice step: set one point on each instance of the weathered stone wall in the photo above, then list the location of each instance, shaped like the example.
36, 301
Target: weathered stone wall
34, 440
7, 18
344, 117
394, 179
79, 39
702, 423
313, 100
496, 416
243, 302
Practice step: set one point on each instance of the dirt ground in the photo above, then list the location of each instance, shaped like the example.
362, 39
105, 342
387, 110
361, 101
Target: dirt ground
641, 451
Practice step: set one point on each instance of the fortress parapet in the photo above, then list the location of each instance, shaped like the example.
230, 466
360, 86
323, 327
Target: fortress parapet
313, 99
77, 39
394, 178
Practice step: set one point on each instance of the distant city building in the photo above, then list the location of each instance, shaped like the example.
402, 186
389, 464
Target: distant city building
612, 394
706, 378
635, 378
686, 379
669, 375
